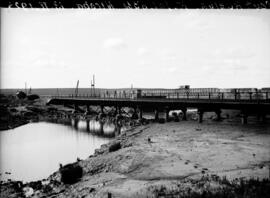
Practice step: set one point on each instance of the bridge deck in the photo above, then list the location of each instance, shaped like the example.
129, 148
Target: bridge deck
171, 103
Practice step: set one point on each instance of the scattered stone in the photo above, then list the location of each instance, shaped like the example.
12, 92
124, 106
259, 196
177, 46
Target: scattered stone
28, 191
71, 173
92, 190
115, 146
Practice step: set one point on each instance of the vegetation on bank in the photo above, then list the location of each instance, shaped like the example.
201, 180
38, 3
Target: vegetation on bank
215, 186
208, 186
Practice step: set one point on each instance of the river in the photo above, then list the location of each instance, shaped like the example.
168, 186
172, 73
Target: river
34, 151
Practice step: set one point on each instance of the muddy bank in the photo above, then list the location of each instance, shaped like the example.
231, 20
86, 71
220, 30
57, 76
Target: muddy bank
173, 158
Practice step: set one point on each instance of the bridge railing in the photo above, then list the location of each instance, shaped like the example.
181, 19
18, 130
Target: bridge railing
245, 96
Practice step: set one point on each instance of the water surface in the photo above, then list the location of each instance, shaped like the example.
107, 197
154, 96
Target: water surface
34, 151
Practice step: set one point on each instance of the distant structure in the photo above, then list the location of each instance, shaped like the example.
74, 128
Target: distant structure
77, 88
184, 87
93, 86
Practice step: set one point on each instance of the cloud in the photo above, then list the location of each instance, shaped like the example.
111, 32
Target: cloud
114, 43
233, 53
172, 69
142, 51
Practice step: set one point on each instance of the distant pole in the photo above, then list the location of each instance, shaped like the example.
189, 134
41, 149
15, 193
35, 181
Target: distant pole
77, 88
91, 89
93, 86
25, 87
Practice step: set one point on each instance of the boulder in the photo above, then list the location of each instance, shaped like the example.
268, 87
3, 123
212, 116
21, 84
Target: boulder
71, 173
21, 95
32, 97
114, 146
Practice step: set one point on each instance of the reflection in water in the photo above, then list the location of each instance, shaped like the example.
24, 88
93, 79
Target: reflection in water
34, 151
102, 128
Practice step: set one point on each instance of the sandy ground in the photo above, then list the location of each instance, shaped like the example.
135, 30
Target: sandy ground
176, 151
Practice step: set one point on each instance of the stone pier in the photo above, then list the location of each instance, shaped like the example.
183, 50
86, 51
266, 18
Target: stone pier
218, 113
156, 114
184, 111
200, 115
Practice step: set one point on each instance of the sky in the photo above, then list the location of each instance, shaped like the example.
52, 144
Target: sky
148, 48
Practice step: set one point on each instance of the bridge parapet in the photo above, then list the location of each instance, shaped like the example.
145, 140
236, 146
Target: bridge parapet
211, 96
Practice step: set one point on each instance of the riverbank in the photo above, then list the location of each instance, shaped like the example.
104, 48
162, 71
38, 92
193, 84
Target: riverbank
165, 158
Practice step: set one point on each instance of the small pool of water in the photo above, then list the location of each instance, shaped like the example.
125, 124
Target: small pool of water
34, 151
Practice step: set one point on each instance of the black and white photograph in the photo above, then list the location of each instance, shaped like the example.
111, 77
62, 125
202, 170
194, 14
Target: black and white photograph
131, 103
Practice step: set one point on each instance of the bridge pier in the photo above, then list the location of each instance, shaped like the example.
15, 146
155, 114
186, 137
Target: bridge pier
218, 113
101, 124
264, 118
76, 121
102, 109
87, 126
134, 114
76, 107
244, 118
184, 111
88, 108
140, 113
200, 115
167, 114
261, 117
156, 114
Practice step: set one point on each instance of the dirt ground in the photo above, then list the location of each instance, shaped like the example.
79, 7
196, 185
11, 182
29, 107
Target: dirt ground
157, 155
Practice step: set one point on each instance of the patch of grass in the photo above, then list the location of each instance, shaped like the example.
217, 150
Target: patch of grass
215, 186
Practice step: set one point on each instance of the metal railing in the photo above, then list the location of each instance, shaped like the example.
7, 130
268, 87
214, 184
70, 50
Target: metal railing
217, 96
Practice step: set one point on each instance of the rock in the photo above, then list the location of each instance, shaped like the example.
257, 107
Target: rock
21, 95
32, 97
37, 185
71, 173
115, 146
28, 191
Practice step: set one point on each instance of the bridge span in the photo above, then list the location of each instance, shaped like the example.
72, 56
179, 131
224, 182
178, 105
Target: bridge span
258, 106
